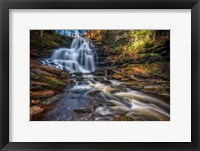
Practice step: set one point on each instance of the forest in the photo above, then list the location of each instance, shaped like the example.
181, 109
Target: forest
99, 75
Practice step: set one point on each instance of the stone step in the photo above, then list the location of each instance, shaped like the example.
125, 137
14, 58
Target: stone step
102, 52
101, 63
102, 56
101, 59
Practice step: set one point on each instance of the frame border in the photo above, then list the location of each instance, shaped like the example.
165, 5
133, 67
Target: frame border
5, 5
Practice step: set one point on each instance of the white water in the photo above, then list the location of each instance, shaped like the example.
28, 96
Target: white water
80, 57
135, 104
107, 99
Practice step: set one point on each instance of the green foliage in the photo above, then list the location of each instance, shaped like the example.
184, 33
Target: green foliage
140, 39
133, 40
147, 48
47, 39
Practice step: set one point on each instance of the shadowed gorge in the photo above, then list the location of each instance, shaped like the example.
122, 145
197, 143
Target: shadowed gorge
100, 75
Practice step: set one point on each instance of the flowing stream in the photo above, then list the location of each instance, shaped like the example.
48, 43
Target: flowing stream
94, 98
80, 57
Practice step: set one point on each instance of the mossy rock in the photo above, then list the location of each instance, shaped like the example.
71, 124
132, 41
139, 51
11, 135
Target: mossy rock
41, 94
64, 75
55, 83
50, 69
35, 83
33, 76
36, 88
40, 72
129, 118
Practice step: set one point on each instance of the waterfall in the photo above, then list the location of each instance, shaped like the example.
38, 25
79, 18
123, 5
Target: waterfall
80, 57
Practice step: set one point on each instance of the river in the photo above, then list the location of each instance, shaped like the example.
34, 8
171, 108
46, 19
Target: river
95, 98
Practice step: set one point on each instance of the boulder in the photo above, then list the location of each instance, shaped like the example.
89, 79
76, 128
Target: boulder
36, 101
35, 110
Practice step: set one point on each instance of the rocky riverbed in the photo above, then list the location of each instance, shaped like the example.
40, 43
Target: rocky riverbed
103, 78
95, 98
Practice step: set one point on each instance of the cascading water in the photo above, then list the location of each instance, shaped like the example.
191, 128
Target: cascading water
95, 99
98, 98
80, 57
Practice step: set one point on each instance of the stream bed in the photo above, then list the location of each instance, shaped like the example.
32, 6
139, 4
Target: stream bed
94, 98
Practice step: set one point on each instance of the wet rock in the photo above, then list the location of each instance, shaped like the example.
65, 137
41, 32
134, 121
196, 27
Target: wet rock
79, 78
117, 76
64, 75
124, 79
87, 117
34, 53
41, 72
35, 102
106, 82
93, 92
134, 85
41, 94
55, 83
119, 117
52, 99
83, 110
129, 117
99, 79
36, 88
50, 69
34, 63
102, 80
119, 109
78, 74
99, 72
109, 118
153, 89
115, 90
109, 104
140, 76
35, 110
163, 96
102, 64
34, 83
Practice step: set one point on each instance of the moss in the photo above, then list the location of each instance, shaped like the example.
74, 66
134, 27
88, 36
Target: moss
64, 75
49, 40
34, 76
149, 44
54, 82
